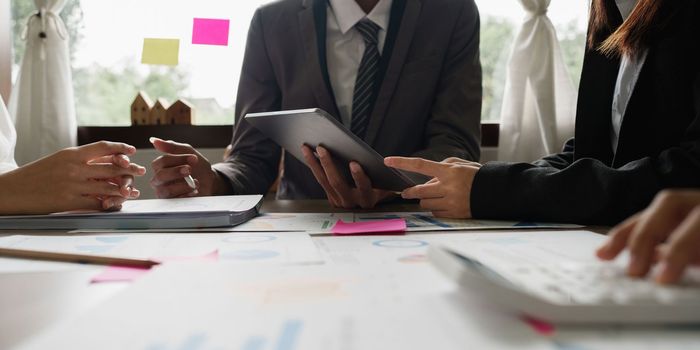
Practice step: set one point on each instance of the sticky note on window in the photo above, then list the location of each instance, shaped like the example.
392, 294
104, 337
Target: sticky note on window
393, 226
207, 31
161, 51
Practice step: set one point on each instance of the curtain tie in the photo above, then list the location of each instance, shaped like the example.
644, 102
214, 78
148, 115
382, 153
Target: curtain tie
44, 15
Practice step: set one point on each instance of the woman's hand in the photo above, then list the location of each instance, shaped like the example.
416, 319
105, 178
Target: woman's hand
97, 176
448, 193
668, 233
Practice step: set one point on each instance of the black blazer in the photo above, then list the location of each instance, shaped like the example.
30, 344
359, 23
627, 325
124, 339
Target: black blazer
659, 144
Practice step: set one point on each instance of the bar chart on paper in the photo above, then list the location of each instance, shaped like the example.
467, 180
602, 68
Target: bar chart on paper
287, 338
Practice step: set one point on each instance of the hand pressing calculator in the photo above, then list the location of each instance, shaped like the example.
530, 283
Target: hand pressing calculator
568, 292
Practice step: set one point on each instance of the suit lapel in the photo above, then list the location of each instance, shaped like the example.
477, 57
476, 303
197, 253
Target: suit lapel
312, 23
402, 26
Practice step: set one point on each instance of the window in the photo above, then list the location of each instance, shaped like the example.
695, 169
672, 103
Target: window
107, 41
106, 46
500, 21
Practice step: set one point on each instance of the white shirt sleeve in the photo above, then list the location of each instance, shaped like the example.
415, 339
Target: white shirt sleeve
8, 137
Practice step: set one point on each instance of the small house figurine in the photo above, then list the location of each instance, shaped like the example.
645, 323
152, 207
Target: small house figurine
181, 112
141, 109
159, 112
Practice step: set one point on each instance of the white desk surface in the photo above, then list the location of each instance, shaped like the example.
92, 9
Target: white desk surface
31, 302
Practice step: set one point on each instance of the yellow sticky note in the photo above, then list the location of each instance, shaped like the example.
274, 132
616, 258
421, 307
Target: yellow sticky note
161, 51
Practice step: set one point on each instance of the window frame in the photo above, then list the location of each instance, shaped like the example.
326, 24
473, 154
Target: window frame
202, 136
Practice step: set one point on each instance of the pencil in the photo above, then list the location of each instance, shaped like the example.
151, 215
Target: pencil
75, 258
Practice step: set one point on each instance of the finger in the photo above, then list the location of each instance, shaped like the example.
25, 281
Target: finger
109, 171
683, 249
175, 189
652, 229
135, 194
320, 175
425, 191
112, 203
447, 214
365, 194
618, 238
84, 202
336, 180
172, 160
127, 182
416, 165
101, 189
121, 160
168, 175
172, 147
104, 148
435, 204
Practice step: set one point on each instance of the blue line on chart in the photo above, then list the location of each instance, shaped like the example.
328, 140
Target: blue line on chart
254, 343
290, 335
400, 243
432, 221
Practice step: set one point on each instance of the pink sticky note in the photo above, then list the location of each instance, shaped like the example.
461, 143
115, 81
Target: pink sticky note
206, 31
120, 274
392, 226
541, 327
209, 257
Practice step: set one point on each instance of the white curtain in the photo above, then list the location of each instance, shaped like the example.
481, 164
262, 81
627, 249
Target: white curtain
42, 102
539, 101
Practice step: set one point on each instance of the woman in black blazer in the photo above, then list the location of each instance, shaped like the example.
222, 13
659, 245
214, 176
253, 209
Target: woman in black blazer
657, 133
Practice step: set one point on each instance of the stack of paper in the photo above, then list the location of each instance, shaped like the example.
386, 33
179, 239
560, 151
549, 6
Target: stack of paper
188, 213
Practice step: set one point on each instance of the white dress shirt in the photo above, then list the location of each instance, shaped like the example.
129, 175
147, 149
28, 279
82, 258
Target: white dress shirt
626, 79
8, 137
345, 47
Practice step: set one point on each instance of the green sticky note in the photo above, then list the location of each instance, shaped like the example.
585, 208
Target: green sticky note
161, 51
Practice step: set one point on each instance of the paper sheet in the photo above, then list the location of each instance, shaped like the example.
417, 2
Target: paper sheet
424, 222
291, 308
239, 248
161, 51
130, 274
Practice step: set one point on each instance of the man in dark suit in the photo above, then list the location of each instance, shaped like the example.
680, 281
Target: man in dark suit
404, 75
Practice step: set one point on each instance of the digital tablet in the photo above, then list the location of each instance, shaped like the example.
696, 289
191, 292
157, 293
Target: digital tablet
315, 127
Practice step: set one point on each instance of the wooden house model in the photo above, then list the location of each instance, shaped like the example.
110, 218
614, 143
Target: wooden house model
141, 109
181, 112
159, 112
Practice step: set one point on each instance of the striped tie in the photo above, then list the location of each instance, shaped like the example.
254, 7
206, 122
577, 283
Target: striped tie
366, 77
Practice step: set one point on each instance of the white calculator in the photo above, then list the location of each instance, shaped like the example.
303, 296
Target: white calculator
568, 292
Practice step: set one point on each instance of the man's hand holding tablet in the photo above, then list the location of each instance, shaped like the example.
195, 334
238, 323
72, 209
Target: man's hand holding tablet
338, 191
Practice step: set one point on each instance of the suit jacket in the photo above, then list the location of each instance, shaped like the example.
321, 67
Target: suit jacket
659, 144
427, 102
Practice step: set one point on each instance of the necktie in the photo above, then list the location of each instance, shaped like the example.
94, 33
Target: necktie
366, 78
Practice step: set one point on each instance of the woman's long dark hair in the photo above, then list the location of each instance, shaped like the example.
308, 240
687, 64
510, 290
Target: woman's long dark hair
633, 35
